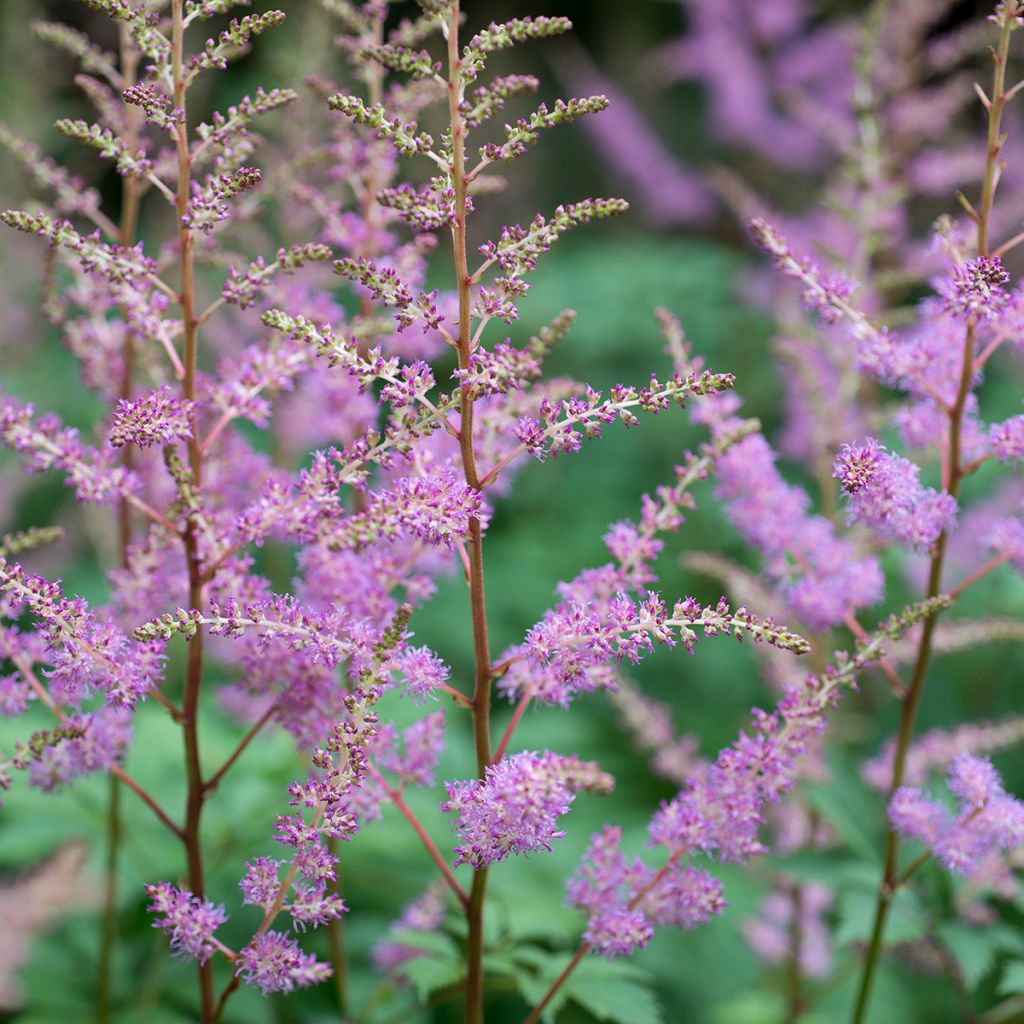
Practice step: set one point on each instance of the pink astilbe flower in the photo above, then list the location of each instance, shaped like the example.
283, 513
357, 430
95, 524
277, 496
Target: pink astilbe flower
976, 288
625, 899
105, 736
988, 818
883, 492
159, 418
423, 672
93, 473
515, 808
83, 651
635, 154
649, 722
188, 921
769, 80
15, 694
260, 884
273, 962
564, 426
1007, 439
415, 760
1005, 537
819, 574
721, 813
436, 508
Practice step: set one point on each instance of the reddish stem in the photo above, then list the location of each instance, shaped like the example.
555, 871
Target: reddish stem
887, 667
982, 570
214, 780
952, 476
407, 812
194, 658
511, 727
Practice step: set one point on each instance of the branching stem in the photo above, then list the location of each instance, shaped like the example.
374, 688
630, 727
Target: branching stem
953, 474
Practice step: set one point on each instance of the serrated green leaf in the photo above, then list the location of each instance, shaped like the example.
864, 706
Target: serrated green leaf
974, 949
761, 1007
847, 806
437, 943
840, 873
503, 964
534, 988
1011, 980
430, 973
616, 999
907, 920
604, 988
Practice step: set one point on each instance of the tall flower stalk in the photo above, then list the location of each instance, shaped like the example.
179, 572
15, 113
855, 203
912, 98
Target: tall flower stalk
954, 471
131, 195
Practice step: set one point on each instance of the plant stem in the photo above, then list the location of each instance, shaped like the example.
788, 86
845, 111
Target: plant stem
513, 722
194, 659
481, 706
336, 937
130, 195
108, 921
571, 966
428, 844
794, 972
954, 474
214, 780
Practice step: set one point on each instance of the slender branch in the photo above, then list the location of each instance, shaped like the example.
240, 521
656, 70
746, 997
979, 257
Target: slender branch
148, 800
147, 510
982, 570
571, 966
194, 657
474, 547
1010, 243
953, 475
214, 780
172, 708
888, 669
511, 727
429, 845
911, 869
131, 194
456, 695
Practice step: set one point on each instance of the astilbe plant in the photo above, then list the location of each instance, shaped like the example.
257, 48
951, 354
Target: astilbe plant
386, 467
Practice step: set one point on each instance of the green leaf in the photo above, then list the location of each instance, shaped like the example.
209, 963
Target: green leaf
840, 873
907, 920
974, 949
616, 999
503, 964
608, 991
761, 1007
430, 973
437, 943
846, 804
1012, 978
